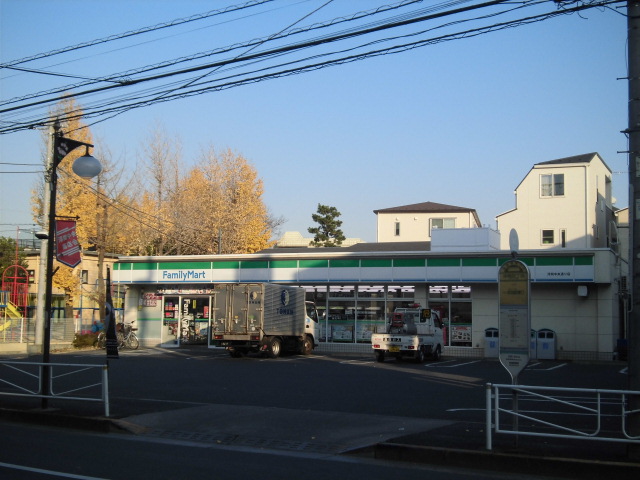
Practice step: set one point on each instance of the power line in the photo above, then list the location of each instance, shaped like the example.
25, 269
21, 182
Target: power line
134, 32
238, 59
115, 106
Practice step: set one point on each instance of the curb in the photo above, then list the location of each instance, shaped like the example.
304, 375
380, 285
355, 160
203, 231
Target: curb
503, 462
53, 417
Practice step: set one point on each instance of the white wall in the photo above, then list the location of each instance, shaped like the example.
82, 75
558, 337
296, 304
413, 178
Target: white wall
581, 212
415, 227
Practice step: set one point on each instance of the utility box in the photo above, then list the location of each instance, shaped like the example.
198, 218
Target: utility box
491, 343
546, 347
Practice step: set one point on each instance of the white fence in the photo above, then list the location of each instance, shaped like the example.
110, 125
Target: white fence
572, 413
66, 381
22, 330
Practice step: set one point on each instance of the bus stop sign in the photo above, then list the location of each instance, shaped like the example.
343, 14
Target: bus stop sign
514, 318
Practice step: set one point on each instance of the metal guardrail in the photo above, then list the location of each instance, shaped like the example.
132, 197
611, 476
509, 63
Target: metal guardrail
24, 379
571, 413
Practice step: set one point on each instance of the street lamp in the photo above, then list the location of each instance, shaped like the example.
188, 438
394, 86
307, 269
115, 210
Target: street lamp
85, 167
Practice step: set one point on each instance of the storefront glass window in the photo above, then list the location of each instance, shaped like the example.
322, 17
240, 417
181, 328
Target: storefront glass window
404, 291
371, 311
342, 314
453, 304
460, 291
350, 314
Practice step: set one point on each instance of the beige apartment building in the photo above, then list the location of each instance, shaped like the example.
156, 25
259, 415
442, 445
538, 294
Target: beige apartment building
563, 203
415, 222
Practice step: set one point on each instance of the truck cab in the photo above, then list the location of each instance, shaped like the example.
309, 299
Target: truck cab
311, 324
412, 332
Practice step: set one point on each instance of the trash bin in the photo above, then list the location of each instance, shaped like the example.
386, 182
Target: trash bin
546, 344
533, 348
491, 343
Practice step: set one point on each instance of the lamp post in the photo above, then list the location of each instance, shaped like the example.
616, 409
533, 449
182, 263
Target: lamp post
85, 167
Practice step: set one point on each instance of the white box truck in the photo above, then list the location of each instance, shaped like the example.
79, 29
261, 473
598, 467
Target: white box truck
263, 317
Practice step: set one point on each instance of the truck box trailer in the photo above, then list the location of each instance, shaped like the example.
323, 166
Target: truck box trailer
263, 317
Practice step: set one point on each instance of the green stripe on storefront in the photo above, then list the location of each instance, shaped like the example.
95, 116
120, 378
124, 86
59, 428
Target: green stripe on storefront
283, 264
344, 263
184, 265
553, 261
376, 262
409, 262
314, 263
528, 261
145, 266
583, 260
443, 262
479, 262
254, 264
226, 265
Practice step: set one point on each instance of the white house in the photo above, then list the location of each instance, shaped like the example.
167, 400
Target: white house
415, 222
563, 203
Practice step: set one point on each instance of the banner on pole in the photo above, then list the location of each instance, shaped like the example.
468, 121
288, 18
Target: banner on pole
67, 246
64, 146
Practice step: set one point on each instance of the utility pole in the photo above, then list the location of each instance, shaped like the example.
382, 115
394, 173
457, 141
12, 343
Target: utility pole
633, 133
42, 262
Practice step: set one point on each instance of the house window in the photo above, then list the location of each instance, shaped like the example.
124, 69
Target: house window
552, 185
397, 229
547, 237
84, 277
442, 223
563, 238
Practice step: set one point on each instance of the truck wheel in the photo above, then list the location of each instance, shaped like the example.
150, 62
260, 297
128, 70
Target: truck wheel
307, 346
275, 345
420, 355
380, 356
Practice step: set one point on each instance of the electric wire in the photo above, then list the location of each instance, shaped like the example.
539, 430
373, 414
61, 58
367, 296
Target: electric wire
134, 32
123, 76
88, 113
137, 100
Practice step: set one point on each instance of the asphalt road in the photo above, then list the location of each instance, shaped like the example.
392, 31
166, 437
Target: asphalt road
204, 403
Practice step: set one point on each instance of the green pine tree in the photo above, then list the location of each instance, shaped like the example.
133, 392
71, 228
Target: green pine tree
327, 233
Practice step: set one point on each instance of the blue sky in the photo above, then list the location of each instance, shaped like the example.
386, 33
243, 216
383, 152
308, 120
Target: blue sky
458, 123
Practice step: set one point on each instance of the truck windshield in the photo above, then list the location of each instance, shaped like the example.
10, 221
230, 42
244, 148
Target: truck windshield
312, 313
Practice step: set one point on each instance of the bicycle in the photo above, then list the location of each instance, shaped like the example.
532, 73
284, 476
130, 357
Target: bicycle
125, 334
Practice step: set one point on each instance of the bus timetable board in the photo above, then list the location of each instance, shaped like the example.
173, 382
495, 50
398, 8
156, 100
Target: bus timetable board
515, 318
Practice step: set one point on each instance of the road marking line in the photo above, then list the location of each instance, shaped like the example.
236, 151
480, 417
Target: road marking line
440, 365
529, 367
49, 472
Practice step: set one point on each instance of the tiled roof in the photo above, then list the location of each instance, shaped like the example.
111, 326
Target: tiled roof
359, 247
584, 158
425, 207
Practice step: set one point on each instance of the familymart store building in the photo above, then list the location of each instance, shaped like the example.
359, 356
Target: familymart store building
576, 298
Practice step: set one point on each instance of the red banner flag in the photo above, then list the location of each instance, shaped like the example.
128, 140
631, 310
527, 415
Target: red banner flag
67, 246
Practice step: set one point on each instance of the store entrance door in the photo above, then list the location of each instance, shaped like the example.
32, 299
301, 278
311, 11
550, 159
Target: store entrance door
194, 323
185, 320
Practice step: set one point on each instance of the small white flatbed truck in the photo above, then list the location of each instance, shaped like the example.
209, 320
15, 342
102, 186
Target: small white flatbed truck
413, 332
